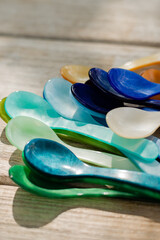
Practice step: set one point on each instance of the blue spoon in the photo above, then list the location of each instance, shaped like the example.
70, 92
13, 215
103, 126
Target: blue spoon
93, 98
101, 79
132, 85
54, 161
57, 93
29, 104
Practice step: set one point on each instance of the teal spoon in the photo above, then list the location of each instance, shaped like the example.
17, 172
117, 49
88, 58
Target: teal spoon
52, 160
22, 176
22, 129
29, 104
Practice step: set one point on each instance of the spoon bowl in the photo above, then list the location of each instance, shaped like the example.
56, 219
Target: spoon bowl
75, 73
57, 93
132, 85
133, 123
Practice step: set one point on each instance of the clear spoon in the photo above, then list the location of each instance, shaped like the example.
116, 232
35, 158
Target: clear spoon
22, 129
29, 104
52, 160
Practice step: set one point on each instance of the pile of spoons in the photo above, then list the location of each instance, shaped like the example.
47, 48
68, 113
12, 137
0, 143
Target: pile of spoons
38, 126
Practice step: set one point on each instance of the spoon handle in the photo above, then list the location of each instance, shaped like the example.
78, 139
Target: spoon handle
21, 174
143, 149
127, 180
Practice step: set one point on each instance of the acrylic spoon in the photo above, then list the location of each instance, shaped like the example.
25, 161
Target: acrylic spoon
52, 160
21, 130
100, 79
133, 123
75, 73
22, 176
29, 104
57, 93
94, 99
132, 85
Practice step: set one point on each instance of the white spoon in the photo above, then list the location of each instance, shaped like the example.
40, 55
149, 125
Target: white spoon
133, 123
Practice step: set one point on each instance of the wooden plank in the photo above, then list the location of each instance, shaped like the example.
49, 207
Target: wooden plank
25, 216
118, 21
28, 64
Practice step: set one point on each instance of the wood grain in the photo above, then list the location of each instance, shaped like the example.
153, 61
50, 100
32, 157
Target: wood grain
122, 21
24, 216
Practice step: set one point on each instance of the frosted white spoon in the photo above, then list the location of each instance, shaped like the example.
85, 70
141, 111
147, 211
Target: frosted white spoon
133, 123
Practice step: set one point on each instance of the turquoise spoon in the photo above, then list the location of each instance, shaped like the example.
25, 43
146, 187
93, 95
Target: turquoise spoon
29, 104
22, 176
53, 160
57, 92
22, 129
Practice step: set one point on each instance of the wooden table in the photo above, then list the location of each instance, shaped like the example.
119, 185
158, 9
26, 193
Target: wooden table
38, 37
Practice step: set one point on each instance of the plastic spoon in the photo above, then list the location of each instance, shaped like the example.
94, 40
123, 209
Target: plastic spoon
53, 160
132, 85
29, 104
133, 123
22, 176
57, 92
94, 99
75, 73
100, 79
21, 130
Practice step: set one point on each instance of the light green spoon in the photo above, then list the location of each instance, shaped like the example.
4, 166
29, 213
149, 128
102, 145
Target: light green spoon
29, 104
22, 176
22, 129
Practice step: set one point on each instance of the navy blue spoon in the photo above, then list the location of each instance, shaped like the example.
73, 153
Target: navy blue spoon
132, 85
93, 98
54, 161
101, 79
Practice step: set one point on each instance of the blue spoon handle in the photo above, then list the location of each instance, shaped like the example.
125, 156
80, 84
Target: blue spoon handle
143, 149
125, 179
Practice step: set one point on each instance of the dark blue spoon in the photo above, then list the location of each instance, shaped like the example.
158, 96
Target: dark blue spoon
93, 98
54, 161
101, 79
132, 85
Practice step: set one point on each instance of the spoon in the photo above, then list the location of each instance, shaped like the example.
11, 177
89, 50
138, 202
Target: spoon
133, 123
21, 130
141, 64
22, 176
29, 104
132, 85
57, 93
100, 79
75, 73
94, 99
53, 160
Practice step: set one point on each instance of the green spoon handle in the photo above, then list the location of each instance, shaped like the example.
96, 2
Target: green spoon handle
21, 174
143, 149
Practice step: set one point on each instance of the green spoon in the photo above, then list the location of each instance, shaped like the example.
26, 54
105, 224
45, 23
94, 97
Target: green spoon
21, 130
22, 176
29, 104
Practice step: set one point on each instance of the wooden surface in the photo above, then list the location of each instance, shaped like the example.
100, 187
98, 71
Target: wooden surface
38, 37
